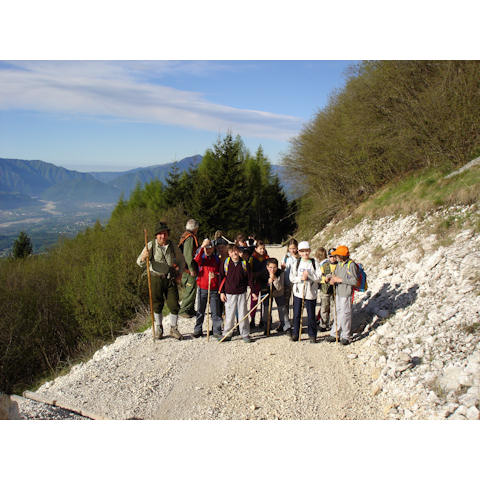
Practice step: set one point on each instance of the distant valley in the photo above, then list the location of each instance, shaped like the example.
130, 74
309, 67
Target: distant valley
47, 201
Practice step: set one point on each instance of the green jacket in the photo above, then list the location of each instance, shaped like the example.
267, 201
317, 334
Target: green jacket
189, 252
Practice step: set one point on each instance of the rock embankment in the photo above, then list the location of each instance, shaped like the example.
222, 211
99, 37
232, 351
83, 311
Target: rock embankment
420, 319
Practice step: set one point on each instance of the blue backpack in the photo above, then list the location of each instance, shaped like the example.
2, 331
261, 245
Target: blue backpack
362, 285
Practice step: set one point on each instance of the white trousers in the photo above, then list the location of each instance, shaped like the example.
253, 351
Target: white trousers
236, 303
343, 311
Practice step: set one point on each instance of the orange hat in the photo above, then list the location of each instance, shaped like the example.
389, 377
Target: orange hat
342, 250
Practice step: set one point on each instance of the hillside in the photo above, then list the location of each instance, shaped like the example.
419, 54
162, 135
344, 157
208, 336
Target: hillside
415, 354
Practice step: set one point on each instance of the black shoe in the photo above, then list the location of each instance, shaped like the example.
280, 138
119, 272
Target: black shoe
261, 324
252, 324
227, 339
293, 339
344, 341
197, 334
322, 329
331, 339
236, 331
312, 339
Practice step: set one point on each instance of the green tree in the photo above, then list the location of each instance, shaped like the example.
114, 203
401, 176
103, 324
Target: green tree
219, 193
22, 246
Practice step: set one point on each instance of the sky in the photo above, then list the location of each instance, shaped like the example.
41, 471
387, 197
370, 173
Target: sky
118, 115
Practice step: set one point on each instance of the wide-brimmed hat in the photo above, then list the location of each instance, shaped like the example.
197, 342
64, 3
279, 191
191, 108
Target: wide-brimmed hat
161, 227
342, 250
304, 246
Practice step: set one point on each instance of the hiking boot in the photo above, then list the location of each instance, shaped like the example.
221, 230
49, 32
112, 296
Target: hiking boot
175, 333
344, 341
289, 331
227, 339
158, 332
236, 331
330, 339
247, 339
312, 339
293, 338
279, 329
322, 329
197, 334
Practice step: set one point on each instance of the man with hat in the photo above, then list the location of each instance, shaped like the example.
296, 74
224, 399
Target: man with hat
344, 278
166, 263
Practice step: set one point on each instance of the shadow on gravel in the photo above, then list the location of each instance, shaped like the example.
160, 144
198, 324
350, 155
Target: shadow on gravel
374, 310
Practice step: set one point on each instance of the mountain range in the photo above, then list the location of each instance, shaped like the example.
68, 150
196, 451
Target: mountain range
25, 182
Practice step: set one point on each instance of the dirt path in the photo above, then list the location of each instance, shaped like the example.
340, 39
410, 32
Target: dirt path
272, 378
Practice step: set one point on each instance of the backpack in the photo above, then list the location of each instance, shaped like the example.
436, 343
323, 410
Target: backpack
362, 285
227, 261
311, 259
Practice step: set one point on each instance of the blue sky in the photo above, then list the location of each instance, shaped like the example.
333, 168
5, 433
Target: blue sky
118, 115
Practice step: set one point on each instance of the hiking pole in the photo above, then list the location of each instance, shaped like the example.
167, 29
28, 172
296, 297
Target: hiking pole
149, 283
208, 306
246, 316
335, 312
270, 302
301, 311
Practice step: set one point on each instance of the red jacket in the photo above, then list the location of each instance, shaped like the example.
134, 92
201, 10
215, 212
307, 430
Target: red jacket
205, 265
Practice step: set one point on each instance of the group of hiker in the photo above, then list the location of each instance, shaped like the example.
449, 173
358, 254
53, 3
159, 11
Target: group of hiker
224, 274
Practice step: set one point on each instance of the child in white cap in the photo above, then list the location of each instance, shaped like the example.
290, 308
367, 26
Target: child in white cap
304, 276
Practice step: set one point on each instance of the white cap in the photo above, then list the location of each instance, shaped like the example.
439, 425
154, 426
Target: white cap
303, 246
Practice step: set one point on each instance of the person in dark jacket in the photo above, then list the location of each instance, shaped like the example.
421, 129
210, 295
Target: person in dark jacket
274, 277
234, 279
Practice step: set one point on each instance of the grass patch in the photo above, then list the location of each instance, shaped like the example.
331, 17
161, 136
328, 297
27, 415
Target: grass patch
423, 191
472, 329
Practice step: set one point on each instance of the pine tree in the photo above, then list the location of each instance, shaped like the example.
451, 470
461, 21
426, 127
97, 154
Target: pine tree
22, 247
219, 198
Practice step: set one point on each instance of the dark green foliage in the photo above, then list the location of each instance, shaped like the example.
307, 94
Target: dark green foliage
392, 117
86, 289
22, 247
218, 200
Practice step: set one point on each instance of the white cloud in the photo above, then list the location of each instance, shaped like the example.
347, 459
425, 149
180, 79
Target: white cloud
124, 90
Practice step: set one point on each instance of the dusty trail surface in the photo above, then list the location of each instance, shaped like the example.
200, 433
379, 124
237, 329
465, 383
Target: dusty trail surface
272, 378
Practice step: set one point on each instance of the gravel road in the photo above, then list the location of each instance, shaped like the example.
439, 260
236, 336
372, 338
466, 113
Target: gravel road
272, 378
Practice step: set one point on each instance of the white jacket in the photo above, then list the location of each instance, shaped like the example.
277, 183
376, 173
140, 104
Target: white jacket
314, 277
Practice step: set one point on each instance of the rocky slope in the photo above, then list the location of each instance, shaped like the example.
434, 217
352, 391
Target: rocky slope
417, 326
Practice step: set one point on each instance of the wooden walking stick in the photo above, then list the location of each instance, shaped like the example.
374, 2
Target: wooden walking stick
246, 316
208, 306
301, 311
270, 302
149, 283
335, 312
